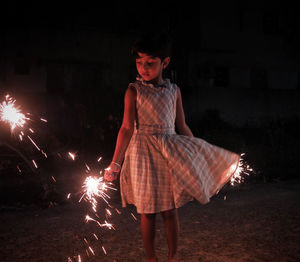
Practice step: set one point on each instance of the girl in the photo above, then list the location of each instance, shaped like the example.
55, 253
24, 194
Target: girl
162, 170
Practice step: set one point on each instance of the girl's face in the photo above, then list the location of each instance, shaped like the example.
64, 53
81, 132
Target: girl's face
150, 68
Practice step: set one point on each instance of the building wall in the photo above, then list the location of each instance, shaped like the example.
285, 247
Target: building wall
247, 65
241, 58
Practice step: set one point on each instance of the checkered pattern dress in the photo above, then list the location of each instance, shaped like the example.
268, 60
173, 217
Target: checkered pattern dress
163, 170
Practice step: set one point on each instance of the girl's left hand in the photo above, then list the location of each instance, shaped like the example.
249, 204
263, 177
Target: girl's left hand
111, 172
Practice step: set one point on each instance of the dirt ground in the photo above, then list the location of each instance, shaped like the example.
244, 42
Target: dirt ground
251, 223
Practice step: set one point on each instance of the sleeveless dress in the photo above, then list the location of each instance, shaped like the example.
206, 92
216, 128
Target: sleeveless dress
163, 170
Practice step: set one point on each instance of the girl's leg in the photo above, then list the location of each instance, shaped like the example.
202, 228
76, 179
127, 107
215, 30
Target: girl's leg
148, 234
171, 223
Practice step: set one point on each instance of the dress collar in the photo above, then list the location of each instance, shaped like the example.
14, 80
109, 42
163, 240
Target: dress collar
164, 84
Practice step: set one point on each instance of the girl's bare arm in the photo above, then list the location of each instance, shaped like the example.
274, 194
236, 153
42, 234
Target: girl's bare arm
127, 127
181, 125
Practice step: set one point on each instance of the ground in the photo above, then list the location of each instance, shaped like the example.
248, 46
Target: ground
251, 223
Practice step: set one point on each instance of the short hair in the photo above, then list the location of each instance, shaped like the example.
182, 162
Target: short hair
156, 45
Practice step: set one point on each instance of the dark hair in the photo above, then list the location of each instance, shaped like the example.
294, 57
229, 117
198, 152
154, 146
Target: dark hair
157, 45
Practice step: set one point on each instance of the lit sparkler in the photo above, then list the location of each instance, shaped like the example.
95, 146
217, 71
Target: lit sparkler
95, 187
243, 168
11, 114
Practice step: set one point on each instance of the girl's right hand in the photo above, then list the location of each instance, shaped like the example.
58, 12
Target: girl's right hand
112, 171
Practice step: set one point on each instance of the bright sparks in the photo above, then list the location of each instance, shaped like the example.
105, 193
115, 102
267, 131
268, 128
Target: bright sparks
95, 187
34, 163
105, 224
11, 114
72, 155
92, 251
242, 168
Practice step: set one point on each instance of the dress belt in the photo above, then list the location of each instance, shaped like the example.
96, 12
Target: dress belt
155, 129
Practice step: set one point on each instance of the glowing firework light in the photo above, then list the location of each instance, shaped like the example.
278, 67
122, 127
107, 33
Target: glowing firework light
72, 155
95, 188
242, 168
11, 114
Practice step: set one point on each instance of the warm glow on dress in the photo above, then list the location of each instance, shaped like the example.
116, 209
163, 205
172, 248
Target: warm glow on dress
242, 168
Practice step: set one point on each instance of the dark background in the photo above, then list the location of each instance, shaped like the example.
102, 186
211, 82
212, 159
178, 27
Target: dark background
237, 64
